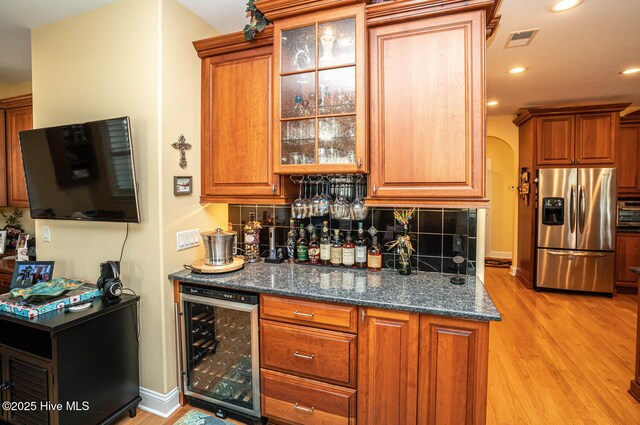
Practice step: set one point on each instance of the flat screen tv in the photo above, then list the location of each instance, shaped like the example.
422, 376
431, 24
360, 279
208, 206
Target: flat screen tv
81, 171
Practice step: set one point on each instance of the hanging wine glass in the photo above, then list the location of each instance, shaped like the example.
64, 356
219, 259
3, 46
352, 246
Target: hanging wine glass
325, 201
317, 199
359, 210
306, 200
298, 208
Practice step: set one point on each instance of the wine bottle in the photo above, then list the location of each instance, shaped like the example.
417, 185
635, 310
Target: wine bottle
361, 248
302, 247
374, 257
349, 252
336, 249
325, 245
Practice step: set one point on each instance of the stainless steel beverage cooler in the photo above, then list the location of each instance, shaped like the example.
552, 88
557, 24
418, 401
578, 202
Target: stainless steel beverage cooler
220, 342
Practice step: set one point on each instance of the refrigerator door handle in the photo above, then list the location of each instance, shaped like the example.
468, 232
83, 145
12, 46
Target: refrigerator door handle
576, 254
582, 208
572, 209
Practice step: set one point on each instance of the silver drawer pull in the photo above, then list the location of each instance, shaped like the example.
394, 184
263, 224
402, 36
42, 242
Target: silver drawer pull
304, 356
297, 313
304, 409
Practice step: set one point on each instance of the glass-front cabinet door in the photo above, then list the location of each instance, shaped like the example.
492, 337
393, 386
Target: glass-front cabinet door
320, 93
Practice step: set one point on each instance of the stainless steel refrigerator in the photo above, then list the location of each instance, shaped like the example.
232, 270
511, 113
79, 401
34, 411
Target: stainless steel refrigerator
576, 229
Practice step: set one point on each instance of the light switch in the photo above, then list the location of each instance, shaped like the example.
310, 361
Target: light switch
187, 239
46, 234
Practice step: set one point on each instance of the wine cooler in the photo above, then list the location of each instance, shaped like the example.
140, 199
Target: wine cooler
220, 342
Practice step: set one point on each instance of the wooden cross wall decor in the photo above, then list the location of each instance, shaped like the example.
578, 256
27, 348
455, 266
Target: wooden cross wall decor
182, 145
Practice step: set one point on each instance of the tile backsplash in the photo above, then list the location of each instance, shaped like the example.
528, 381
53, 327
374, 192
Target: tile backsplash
437, 234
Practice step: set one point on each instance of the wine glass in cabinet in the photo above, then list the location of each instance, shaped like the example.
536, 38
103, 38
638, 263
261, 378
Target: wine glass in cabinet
320, 98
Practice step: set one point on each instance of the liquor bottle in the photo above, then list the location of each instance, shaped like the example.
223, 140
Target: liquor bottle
292, 238
325, 245
314, 248
374, 257
361, 248
252, 239
302, 247
349, 252
336, 249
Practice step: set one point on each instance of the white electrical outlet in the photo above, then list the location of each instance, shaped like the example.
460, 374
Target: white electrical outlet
46, 234
187, 239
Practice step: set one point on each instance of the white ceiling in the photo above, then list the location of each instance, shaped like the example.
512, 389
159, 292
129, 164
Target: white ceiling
575, 58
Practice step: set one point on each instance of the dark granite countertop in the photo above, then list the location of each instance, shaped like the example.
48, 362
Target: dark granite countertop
635, 270
420, 292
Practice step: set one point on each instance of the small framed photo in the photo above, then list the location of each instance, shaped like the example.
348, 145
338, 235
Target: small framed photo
21, 247
28, 273
182, 185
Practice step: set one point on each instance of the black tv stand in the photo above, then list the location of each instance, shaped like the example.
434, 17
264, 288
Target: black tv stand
71, 367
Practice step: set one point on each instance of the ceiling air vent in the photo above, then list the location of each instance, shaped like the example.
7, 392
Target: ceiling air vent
521, 38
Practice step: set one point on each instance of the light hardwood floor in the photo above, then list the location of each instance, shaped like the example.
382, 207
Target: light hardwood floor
555, 358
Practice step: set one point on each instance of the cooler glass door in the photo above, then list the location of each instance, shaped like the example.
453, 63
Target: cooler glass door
220, 339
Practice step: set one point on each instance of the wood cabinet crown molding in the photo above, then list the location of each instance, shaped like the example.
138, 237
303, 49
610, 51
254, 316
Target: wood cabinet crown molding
278, 9
233, 42
526, 114
16, 101
404, 10
631, 118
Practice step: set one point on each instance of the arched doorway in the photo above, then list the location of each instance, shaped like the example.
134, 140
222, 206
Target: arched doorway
501, 188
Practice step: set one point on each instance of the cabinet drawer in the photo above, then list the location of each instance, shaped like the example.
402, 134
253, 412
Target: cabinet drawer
304, 401
326, 355
338, 317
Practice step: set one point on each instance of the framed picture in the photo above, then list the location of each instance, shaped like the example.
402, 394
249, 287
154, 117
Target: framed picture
21, 247
28, 273
182, 185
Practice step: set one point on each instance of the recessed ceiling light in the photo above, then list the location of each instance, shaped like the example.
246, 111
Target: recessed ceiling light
517, 70
630, 71
492, 103
563, 5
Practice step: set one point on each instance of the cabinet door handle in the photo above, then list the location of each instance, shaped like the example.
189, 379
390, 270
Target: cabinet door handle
304, 356
6, 386
304, 409
375, 188
273, 188
297, 313
359, 163
363, 314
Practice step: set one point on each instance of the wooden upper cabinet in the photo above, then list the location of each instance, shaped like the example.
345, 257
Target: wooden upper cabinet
320, 92
575, 135
628, 155
17, 119
427, 109
387, 367
556, 140
453, 371
596, 138
237, 153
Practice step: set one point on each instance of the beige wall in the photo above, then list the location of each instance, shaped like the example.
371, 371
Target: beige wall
11, 90
134, 58
502, 148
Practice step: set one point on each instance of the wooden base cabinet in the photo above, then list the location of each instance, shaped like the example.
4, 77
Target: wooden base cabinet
454, 356
627, 255
421, 369
387, 367
634, 387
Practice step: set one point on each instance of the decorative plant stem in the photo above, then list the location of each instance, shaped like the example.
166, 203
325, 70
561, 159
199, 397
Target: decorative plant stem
257, 21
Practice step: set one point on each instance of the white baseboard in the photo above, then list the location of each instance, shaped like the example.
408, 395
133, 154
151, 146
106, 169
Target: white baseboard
513, 270
500, 254
159, 404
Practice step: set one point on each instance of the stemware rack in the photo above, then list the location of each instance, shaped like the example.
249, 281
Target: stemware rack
347, 186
